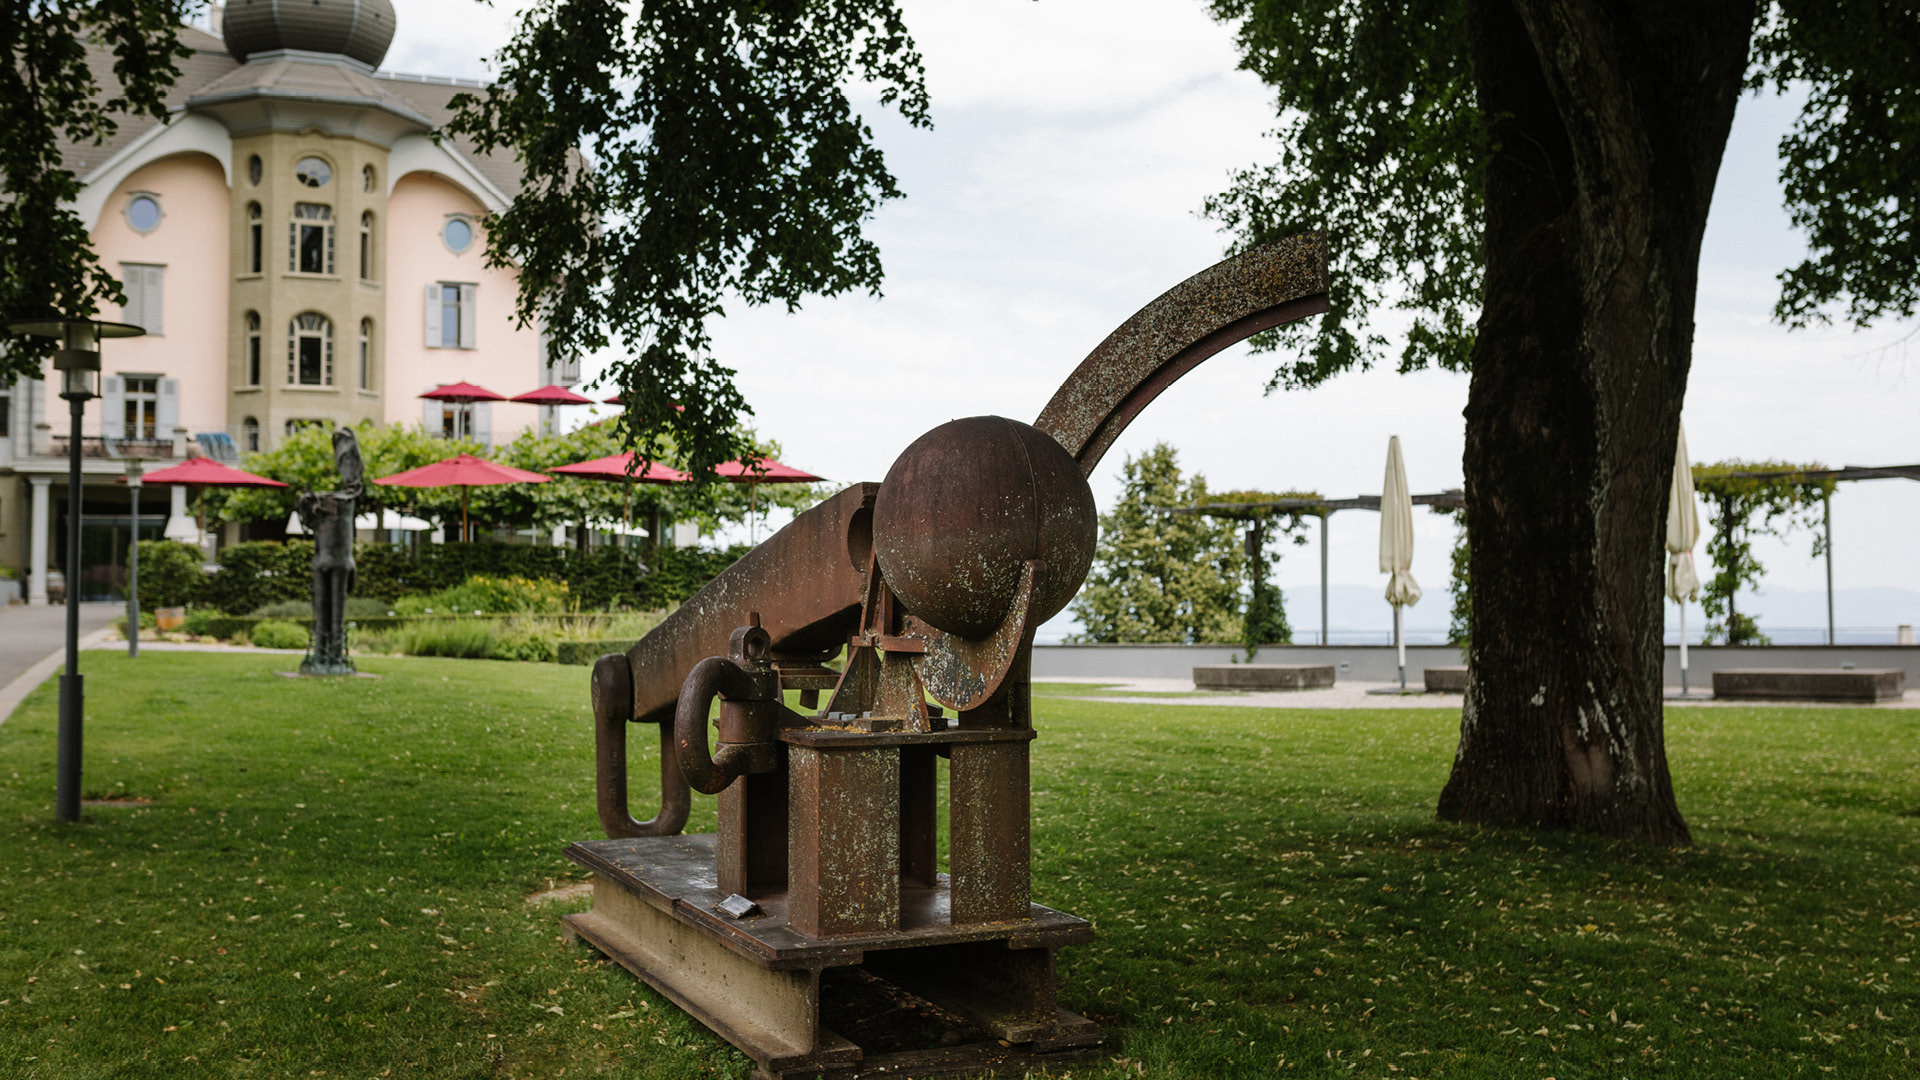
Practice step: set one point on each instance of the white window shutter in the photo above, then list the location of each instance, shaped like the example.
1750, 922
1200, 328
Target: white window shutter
431, 420
113, 407
131, 282
154, 304
433, 315
467, 320
167, 411
482, 422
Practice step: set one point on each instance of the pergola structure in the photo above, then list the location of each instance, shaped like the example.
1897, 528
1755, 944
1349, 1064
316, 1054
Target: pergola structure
1841, 475
1451, 499
1454, 499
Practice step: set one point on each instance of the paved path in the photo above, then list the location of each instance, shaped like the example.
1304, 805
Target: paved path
33, 645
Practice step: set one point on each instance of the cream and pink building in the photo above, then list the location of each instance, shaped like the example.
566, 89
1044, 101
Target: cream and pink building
302, 247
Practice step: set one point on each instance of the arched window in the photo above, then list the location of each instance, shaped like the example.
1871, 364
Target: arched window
366, 245
254, 170
256, 239
367, 179
366, 354
310, 238
253, 349
310, 350
250, 435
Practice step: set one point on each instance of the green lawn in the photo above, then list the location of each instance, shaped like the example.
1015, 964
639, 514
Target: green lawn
332, 879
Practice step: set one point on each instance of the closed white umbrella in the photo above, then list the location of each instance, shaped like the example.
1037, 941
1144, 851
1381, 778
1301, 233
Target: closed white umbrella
1396, 546
1683, 531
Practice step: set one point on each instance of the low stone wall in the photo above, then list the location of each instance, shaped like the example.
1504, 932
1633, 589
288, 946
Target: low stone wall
1376, 663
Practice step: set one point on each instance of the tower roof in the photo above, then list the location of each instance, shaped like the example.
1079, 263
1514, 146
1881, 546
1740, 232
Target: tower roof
357, 29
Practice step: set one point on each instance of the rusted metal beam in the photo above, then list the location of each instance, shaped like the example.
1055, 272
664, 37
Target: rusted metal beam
1228, 302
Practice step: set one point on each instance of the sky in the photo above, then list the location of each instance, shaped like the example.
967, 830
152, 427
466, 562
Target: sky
1059, 191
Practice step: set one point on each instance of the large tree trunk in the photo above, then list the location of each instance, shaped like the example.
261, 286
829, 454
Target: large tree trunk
1608, 121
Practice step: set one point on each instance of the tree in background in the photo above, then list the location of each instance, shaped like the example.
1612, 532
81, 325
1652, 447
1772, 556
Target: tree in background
1160, 577
679, 153
1528, 181
1781, 504
48, 94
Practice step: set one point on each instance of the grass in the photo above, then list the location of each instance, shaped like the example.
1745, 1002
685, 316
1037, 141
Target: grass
333, 879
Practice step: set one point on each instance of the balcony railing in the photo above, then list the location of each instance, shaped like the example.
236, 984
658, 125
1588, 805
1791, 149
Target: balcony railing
94, 446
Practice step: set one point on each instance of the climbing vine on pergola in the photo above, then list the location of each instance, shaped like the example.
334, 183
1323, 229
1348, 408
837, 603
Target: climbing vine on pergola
1780, 499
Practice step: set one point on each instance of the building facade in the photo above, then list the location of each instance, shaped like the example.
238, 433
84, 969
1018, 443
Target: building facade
302, 247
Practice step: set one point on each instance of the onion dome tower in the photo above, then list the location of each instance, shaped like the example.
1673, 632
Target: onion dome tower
356, 29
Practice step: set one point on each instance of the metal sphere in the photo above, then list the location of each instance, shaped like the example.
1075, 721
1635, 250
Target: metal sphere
966, 506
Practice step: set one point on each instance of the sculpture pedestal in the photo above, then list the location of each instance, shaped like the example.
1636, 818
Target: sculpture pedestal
925, 999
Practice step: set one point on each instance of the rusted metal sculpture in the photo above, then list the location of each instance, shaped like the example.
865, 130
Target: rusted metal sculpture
819, 904
328, 518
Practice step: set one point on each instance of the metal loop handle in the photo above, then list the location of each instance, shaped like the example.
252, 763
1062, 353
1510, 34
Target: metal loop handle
612, 712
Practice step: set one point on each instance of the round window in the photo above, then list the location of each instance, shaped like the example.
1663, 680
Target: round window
143, 213
312, 172
459, 234
254, 170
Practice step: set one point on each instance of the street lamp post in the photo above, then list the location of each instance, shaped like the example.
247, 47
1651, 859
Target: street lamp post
133, 563
78, 361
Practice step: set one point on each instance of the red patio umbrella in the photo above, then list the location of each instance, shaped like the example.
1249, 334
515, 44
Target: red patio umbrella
620, 467
462, 471
615, 467
210, 473
551, 395
201, 472
462, 393
757, 471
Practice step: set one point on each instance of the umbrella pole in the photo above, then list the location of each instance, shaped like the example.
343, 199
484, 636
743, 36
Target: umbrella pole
1400, 646
1683, 648
466, 535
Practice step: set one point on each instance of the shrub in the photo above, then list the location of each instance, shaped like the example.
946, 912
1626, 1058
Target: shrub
146, 621
522, 639
259, 573
274, 634
199, 621
170, 574
466, 640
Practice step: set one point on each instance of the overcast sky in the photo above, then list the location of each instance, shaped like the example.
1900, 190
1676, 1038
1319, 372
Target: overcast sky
1059, 190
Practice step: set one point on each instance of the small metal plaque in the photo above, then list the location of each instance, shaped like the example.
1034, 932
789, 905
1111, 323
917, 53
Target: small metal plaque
737, 907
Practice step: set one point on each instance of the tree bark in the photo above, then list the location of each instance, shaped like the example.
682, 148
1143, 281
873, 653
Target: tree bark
1607, 121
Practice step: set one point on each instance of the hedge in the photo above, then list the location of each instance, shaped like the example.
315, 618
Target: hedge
590, 650
258, 573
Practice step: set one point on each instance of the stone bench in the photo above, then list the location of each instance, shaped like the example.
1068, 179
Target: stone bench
1263, 677
1810, 684
1446, 680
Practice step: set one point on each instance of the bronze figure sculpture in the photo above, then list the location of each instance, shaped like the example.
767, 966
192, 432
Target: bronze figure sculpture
819, 905
328, 518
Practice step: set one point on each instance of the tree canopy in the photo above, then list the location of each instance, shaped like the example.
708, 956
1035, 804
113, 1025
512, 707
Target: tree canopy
304, 461
48, 93
679, 154
1383, 143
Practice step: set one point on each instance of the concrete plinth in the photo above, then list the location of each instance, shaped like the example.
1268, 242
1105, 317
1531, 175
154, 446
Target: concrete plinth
1263, 677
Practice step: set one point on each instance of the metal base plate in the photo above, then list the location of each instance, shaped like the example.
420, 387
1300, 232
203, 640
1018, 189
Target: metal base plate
976, 998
